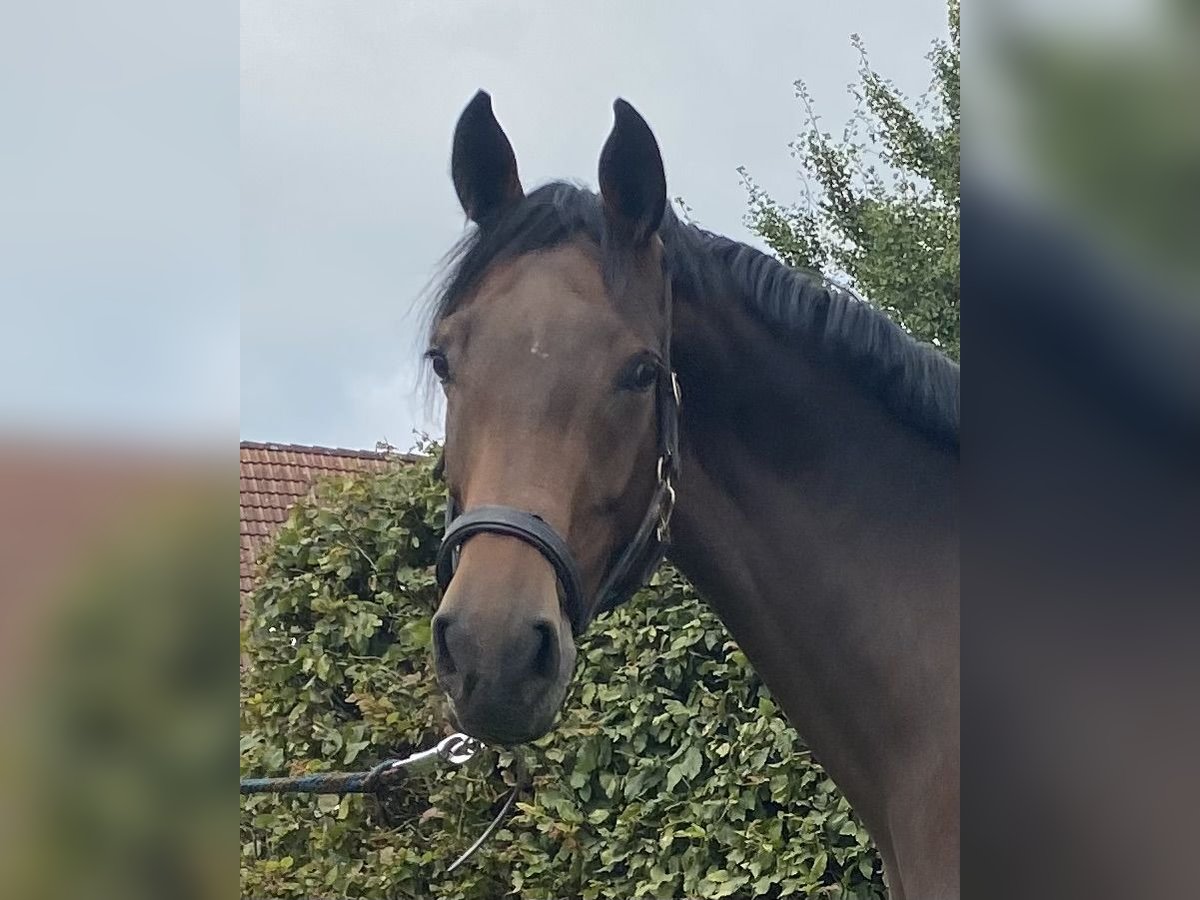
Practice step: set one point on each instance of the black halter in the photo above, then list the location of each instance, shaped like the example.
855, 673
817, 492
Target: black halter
637, 561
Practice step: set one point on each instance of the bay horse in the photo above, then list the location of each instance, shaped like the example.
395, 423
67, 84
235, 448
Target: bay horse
619, 385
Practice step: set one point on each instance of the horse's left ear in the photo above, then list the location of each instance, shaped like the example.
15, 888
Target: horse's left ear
633, 184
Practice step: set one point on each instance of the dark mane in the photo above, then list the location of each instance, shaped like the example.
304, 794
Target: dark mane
914, 380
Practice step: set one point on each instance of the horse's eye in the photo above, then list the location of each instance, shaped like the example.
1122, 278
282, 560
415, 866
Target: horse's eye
641, 376
441, 365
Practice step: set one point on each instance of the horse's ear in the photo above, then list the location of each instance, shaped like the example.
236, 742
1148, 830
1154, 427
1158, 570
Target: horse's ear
632, 182
482, 162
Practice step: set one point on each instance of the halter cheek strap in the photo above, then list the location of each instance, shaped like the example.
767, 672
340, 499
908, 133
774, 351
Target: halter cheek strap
637, 561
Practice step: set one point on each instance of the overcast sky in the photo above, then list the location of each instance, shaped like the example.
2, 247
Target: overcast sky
347, 111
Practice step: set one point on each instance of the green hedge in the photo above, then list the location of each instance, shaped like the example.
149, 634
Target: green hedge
671, 774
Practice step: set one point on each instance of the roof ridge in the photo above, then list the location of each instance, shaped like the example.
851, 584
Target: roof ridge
328, 451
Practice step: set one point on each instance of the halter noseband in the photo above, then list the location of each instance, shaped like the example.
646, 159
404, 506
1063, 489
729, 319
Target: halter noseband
637, 561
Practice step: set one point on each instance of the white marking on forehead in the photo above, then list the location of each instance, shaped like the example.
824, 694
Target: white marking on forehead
537, 350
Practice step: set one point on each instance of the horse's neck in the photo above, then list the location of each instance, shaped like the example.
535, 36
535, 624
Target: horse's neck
824, 533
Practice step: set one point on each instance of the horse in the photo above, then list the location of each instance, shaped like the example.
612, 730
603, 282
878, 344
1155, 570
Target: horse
621, 385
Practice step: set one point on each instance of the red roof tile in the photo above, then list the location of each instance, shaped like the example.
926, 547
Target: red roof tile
275, 476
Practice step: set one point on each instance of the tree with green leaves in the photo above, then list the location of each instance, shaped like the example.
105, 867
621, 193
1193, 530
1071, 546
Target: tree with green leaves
882, 209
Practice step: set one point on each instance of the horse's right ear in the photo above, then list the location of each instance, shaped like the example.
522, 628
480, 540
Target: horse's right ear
482, 162
633, 185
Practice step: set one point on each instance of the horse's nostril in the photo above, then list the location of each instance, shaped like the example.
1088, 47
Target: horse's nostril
441, 624
545, 660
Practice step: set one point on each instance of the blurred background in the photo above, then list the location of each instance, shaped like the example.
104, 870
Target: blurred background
141, 205
1081, 224
1086, 111
119, 380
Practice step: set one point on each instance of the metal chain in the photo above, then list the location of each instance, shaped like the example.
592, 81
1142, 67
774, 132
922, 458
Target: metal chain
455, 750
667, 507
